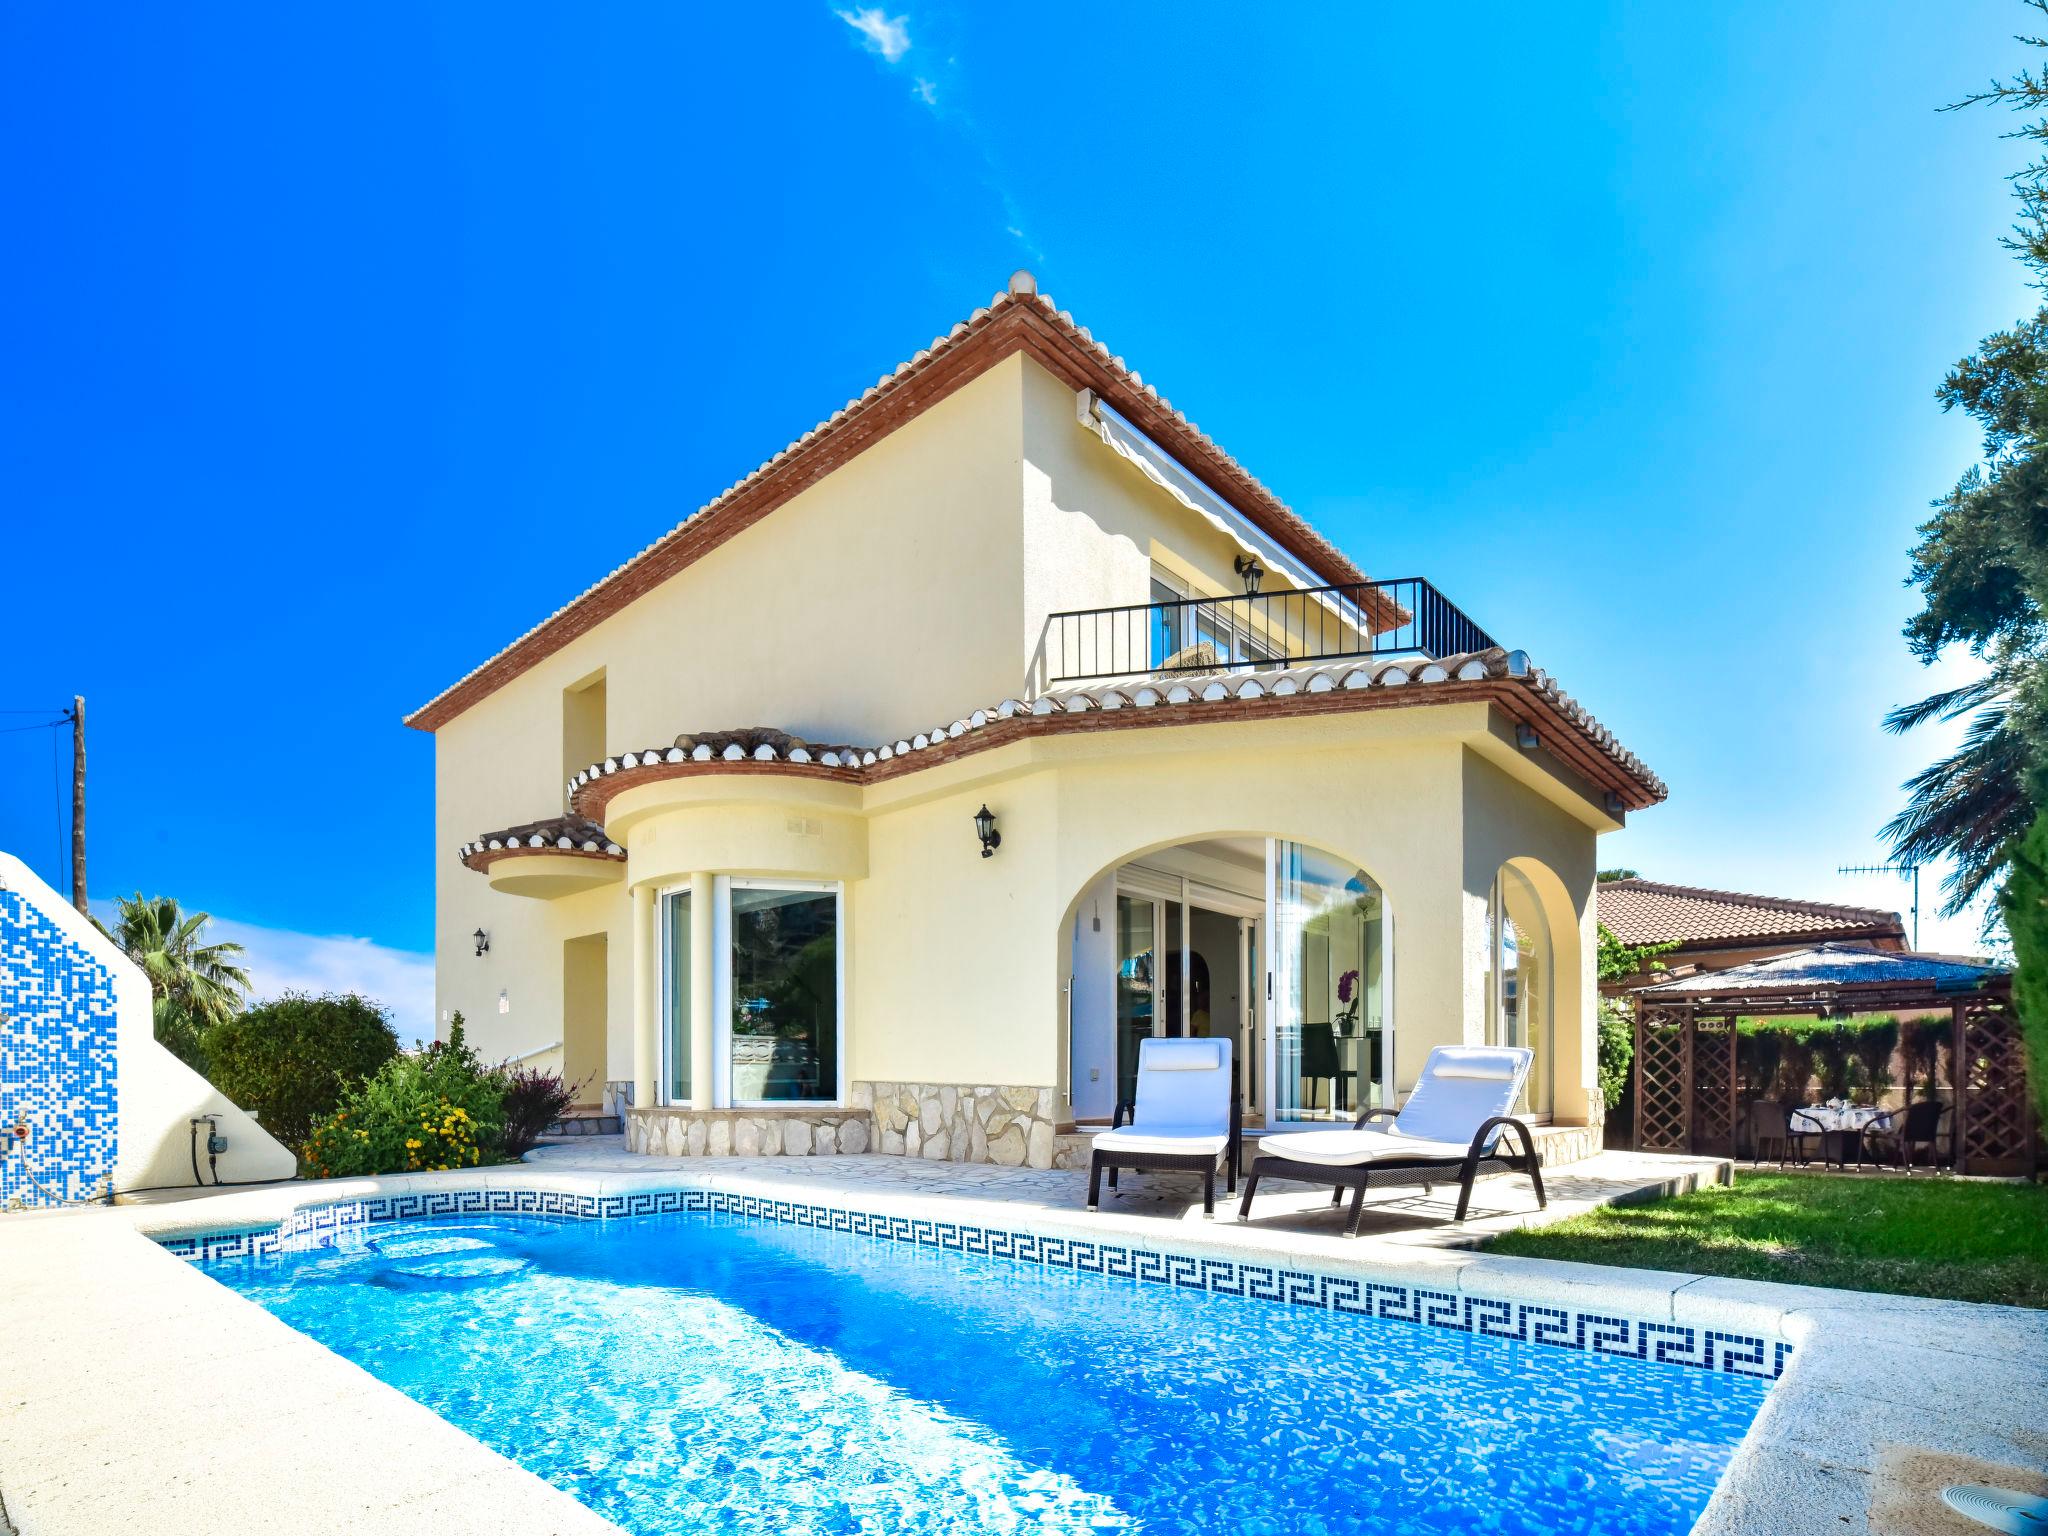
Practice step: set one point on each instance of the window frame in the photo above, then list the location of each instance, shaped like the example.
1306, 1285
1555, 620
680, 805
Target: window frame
664, 1068
721, 1070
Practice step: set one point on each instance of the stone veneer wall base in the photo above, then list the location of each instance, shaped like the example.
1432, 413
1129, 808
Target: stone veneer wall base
942, 1122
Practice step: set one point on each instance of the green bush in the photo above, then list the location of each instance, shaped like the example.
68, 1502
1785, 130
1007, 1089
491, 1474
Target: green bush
1617, 1048
2024, 905
1873, 1046
1921, 1040
433, 1111
292, 1060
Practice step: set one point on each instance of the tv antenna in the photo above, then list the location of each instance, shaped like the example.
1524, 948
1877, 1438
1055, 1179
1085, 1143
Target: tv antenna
1905, 867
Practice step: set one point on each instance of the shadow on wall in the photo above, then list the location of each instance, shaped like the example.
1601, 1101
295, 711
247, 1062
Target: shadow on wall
91, 1103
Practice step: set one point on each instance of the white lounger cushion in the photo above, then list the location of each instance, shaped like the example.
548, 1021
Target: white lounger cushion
1452, 1100
1497, 1062
1186, 1140
1198, 1055
1184, 1084
1461, 1088
1347, 1149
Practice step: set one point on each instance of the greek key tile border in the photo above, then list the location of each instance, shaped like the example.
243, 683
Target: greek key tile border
1598, 1333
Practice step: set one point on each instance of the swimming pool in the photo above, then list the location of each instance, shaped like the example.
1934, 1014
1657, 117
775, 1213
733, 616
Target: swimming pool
706, 1371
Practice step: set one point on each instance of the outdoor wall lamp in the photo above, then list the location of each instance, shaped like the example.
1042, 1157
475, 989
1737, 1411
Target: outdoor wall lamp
1526, 738
1253, 573
985, 829
483, 942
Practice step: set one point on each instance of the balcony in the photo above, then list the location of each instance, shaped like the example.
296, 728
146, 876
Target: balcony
1258, 629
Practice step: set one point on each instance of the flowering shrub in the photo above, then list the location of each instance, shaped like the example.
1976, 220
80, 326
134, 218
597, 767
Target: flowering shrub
434, 1110
534, 1100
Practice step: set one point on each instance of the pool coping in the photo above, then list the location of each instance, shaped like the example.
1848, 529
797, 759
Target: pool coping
1875, 1389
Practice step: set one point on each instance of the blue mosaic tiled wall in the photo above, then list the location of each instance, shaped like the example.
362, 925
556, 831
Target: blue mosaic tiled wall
57, 1061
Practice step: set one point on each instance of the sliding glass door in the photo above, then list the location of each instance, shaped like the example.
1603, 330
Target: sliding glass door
1329, 1041
1140, 922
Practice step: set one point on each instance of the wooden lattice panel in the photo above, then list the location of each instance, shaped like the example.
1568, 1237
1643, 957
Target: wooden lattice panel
1713, 1087
1663, 1079
1995, 1131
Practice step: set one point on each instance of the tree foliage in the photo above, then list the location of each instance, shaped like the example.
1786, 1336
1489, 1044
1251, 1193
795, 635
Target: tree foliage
293, 1060
2024, 903
1616, 1041
1981, 566
202, 984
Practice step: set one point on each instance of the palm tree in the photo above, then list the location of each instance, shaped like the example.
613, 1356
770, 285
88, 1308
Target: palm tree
1974, 804
202, 981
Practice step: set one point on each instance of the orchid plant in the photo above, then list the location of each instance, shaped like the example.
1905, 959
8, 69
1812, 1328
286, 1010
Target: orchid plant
1349, 995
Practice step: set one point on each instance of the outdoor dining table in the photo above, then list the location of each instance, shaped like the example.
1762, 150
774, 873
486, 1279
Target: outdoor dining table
1846, 1123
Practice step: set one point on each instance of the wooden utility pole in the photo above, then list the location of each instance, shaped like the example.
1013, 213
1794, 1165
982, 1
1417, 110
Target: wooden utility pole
78, 801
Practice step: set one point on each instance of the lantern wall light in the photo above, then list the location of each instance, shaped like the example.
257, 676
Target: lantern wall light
483, 942
985, 829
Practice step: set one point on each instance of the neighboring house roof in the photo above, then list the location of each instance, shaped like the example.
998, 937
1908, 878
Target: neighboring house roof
1523, 691
557, 835
1827, 966
1019, 320
1649, 912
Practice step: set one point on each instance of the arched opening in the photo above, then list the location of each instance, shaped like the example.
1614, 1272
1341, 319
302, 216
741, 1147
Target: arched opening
1532, 992
1281, 947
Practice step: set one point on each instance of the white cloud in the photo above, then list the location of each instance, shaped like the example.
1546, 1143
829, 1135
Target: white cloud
279, 960
887, 35
926, 91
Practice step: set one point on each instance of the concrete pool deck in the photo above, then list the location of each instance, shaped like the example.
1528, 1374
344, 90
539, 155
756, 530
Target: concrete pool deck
142, 1391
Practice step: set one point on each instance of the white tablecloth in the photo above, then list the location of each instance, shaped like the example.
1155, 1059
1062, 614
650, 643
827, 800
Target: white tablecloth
1813, 1119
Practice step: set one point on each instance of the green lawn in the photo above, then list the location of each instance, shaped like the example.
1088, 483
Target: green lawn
1913, 1237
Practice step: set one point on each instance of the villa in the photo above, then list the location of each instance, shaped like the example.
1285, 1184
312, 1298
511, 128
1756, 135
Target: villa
999, 722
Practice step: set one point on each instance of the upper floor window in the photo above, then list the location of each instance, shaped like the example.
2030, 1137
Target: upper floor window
583, 706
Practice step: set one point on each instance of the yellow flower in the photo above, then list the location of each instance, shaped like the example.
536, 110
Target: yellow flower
412, 1144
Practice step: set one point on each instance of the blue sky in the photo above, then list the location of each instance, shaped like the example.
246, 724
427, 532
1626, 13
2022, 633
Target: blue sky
343, 343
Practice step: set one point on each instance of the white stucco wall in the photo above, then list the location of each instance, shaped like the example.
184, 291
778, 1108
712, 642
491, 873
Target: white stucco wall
157, 1095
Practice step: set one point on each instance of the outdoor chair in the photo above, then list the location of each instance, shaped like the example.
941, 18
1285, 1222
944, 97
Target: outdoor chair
1186, 1114
1454, 1127
1770, 1122
1901, 1130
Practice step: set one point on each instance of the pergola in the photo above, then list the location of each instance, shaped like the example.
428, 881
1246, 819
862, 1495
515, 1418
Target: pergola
1687, 1093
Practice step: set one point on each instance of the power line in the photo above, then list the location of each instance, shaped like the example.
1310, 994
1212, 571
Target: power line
47, 725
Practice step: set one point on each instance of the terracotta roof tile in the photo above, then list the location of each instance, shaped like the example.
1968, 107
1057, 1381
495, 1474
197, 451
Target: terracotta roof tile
1179, 697
558, 834
1649, 912
1020, 319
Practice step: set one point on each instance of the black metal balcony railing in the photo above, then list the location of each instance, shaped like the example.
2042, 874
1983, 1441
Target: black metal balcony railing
1284, 628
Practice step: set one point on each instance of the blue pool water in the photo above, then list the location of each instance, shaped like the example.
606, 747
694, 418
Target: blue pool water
696, 1373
